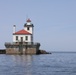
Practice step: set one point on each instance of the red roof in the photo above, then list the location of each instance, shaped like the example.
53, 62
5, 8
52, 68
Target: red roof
22, 32
28, 20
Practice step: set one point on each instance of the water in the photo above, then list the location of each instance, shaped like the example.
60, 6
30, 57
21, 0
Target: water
47, 64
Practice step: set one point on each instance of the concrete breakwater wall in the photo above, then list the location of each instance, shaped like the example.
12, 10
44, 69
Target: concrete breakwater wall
22, 48
3, 51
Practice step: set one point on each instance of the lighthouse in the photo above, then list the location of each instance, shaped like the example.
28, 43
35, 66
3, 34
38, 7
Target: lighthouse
23, 40
24, 35
28, 26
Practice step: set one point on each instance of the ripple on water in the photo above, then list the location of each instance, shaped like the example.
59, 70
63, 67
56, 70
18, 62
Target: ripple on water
55, 64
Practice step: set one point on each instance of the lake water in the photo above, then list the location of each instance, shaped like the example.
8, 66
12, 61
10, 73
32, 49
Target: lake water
47, 64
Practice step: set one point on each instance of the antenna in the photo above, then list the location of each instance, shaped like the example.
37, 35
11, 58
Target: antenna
26, 17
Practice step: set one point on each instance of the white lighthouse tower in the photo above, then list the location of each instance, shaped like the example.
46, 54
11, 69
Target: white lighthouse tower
29, 27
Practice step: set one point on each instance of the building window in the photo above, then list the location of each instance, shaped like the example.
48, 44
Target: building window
26, 37
28, 28
16, 37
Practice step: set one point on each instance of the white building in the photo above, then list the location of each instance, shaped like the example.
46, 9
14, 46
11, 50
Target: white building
25, 35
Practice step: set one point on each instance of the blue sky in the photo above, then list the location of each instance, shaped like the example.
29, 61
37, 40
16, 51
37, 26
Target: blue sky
54, 21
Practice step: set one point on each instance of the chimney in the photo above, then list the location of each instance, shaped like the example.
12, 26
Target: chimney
14, 28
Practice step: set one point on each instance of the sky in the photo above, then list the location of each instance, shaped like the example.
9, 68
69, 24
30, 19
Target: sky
54, 22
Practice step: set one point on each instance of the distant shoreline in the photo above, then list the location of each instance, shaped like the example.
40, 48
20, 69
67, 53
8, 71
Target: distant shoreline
63, 51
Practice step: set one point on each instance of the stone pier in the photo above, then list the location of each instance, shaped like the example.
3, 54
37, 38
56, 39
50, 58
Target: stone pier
22, 48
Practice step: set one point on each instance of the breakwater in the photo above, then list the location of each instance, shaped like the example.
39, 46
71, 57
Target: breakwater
2, 51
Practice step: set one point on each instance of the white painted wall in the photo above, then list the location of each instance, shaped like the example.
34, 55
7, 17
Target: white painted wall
30, 30
19, 38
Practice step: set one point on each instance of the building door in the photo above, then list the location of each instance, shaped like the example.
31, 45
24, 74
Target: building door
21, 45
21, 39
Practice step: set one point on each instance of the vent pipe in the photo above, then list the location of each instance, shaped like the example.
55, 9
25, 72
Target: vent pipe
14, 28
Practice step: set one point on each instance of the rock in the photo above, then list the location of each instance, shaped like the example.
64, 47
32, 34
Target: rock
43, 52
2, 51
